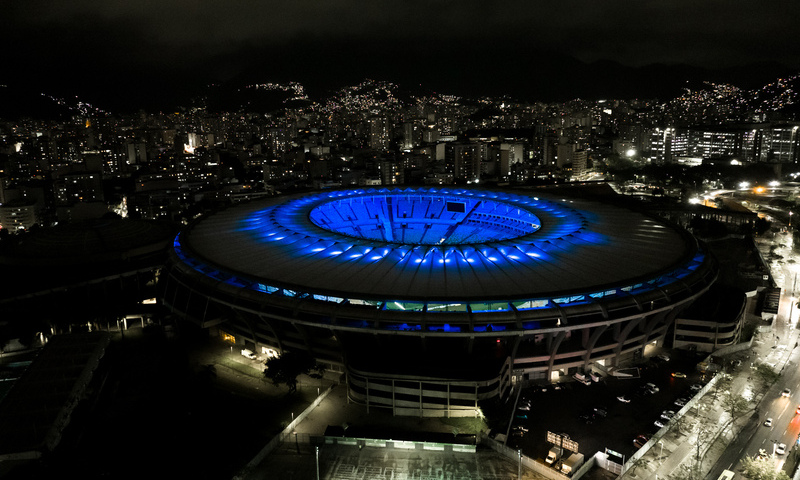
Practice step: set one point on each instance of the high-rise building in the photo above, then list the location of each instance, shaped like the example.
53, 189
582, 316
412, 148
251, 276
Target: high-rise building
580, 159
466, 161
781, 144
379, 133
18, 215
137, 153
77, 187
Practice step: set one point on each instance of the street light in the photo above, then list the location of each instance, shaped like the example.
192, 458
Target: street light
317, 448
519, 467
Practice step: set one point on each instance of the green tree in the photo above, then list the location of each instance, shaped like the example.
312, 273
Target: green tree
285, 368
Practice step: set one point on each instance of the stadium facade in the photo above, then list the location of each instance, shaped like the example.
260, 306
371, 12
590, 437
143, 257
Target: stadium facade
433, 299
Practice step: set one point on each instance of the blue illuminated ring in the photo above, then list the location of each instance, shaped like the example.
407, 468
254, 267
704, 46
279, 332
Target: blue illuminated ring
579, 250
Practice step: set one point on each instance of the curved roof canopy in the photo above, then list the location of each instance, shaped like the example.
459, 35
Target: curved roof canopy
429, 244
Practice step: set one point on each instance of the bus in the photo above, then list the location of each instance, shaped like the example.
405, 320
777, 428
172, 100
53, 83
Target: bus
726, 475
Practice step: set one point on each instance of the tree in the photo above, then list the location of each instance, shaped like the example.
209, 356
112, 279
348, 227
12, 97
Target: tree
735, 405
705, 435
762, 469
723, 383
680, 423
639, 462
688, 472
761, 225
765, 375
290, 365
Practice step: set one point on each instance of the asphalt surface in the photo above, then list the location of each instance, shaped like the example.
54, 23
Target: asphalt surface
559, 411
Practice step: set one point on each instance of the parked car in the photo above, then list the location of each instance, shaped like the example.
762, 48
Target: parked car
652, 387
660, 423
663, 357
667, 414
680, 402
696, 387
780, 449
639, 441
601, 411
624, 399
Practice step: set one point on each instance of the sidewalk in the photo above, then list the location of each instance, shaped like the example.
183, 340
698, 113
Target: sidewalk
680, 447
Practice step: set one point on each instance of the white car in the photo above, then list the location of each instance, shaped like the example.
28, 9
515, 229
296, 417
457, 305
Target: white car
651, 386
624, 399
786, 392
663, 357
780, 449
667, 414
768, 422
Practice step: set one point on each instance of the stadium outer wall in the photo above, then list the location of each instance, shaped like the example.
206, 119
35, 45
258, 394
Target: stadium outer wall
431, 368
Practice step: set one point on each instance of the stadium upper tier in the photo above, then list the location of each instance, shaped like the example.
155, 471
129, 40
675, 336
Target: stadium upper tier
424, 219
438, 249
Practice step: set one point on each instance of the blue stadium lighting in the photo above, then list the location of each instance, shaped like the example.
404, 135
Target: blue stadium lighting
430, 230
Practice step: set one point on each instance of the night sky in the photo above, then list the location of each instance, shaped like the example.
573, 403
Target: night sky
164, 46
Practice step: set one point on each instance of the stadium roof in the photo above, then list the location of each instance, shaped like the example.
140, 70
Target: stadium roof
577, 246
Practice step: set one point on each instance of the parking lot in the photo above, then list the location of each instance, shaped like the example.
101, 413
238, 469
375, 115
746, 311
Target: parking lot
595, 417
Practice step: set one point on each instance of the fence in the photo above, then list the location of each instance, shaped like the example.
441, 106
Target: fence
401, 444
532, 464
663, 431
285, 433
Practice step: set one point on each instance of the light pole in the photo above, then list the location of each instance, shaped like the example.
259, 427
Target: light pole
661, 450
317, 449
519, 467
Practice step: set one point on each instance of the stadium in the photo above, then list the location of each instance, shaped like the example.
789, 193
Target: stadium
431, 300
